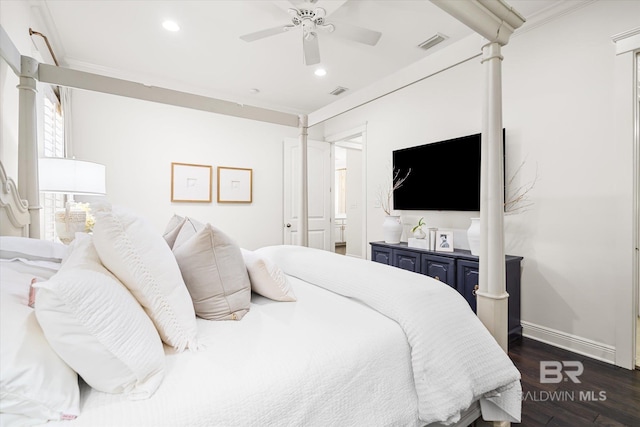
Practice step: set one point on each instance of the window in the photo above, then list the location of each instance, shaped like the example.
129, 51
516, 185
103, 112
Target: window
53, 146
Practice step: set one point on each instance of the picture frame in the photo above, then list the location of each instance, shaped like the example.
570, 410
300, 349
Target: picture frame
191, 183
235, 185
444, 241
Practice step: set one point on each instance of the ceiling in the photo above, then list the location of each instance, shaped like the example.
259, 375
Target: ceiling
125, 39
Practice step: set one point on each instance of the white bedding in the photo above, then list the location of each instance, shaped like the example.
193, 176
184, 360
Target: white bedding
323, 360
455, 360
365, 344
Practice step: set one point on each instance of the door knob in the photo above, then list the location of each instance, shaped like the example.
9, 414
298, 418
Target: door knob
288, 225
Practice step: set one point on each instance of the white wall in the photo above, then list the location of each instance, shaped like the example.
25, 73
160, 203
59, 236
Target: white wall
558, 112
138, 141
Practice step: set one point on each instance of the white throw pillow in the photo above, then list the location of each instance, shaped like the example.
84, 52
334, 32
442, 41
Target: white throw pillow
34, 381
138, 255
96, 325
213, 269
267, 279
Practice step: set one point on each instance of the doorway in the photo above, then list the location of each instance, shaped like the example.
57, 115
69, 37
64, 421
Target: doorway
349, 213
319, 191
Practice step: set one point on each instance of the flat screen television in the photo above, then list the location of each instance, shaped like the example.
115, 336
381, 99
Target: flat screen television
445, 175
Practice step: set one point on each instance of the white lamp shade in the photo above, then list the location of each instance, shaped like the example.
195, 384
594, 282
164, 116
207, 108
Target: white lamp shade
58, 175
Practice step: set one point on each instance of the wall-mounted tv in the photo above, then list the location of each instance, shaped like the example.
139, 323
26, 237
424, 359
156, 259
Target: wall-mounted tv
445, 175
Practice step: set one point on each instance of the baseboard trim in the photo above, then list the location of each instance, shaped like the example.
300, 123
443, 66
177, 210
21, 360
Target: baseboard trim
583, 346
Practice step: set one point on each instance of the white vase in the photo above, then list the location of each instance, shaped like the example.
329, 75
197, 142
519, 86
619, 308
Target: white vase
68, 223
473, 235
392, 229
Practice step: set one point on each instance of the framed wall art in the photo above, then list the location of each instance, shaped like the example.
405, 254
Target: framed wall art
444, 241
235, 185
191, 183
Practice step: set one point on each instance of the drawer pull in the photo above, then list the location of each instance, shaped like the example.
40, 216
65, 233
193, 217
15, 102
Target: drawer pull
475, 288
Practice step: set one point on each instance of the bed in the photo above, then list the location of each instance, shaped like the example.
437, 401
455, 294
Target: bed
361, 344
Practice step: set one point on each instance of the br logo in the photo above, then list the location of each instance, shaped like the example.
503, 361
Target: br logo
552, 371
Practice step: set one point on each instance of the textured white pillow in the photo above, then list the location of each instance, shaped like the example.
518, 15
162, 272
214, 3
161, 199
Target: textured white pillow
267, 279
34, 381
138, 255
215, 274
96, 325
172, 229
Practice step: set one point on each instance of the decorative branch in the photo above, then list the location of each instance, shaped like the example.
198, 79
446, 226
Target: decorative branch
517, 200
385, 193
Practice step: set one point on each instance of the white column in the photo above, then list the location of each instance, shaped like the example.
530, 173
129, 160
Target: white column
28, 142
303, 221
492, 296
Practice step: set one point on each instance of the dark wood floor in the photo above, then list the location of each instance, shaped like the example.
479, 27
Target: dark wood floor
606, 395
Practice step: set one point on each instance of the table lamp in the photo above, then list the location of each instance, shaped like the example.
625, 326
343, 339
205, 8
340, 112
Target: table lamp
71, 177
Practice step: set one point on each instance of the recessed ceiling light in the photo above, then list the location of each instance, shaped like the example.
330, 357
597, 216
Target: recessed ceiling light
320, 72
170, 26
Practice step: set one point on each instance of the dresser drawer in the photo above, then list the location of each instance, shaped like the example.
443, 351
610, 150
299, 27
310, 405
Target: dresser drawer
439, 267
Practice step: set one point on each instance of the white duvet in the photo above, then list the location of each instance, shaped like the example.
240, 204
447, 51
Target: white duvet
321, 361
454, 358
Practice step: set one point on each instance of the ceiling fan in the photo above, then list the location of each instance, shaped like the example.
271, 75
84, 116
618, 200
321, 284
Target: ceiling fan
309, 19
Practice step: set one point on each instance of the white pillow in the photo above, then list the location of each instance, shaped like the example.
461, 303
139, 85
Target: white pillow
34, 381
215, 274
96, 325
31, 249
267, 279
138, 255
172, 229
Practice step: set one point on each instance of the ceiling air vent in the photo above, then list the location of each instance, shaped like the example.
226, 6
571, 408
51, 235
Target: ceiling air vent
431, 42
339, 90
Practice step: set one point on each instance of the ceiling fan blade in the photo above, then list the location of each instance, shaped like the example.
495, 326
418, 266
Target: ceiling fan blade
359, 34
311, 49
263, 33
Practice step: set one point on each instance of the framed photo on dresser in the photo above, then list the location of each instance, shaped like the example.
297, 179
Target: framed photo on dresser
444, 241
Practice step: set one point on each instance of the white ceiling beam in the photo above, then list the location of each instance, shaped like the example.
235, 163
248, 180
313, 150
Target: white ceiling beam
97, 83
494, 20
9, 52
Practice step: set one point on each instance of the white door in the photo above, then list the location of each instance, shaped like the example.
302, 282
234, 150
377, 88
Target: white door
319, 183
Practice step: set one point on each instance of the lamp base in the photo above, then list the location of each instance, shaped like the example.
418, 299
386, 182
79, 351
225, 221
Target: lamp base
68, 223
